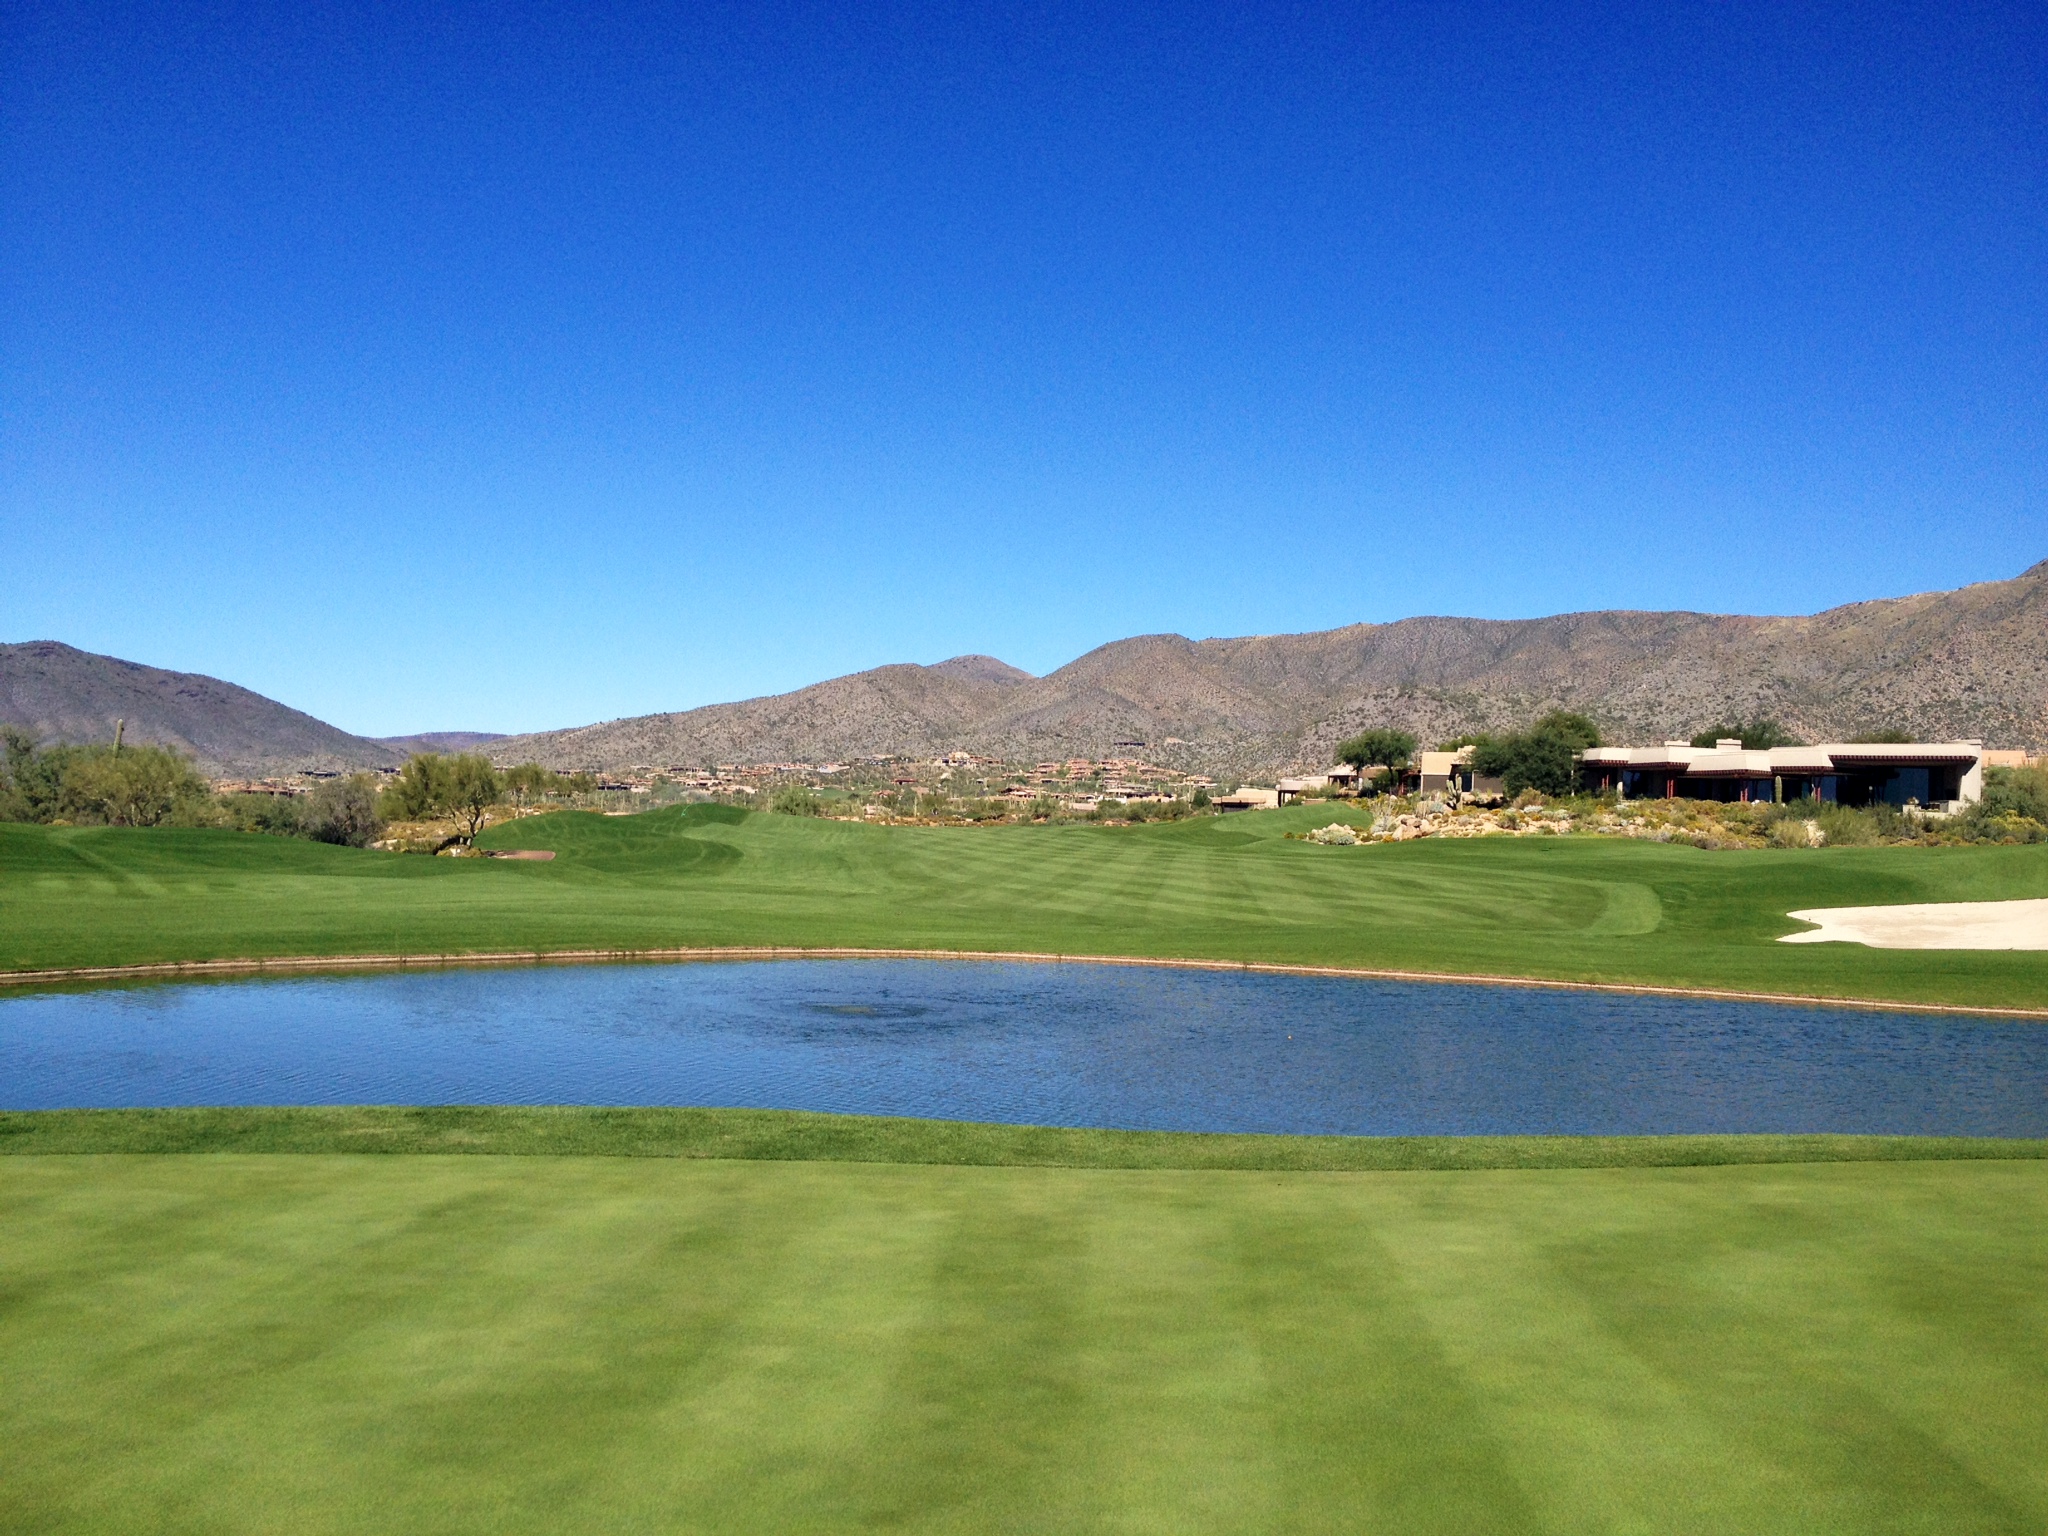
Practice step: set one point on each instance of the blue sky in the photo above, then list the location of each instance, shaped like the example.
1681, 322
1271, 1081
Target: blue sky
508, 366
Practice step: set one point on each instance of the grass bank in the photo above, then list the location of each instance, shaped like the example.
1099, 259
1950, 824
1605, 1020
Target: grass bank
584, 1344
797, 1136
1566, 908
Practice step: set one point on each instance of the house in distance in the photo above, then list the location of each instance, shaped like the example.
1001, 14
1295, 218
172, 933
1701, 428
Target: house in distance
1935, 775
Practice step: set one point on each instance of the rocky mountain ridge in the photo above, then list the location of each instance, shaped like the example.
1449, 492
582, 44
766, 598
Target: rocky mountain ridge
1971, 662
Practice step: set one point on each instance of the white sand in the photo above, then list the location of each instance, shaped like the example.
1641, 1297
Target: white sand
1936, 925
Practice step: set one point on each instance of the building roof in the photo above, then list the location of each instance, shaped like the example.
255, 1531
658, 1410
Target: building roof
1730, 760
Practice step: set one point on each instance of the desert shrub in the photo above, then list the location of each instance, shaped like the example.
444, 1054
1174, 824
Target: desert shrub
1785, 832
1846, 827
2012, 792
2007, 829
343, 811
795, 800
278, 815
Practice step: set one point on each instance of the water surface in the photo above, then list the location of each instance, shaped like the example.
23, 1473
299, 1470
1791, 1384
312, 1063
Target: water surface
1082, 1045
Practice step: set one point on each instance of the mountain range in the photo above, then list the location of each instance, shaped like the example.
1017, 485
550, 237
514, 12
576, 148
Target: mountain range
1971, 662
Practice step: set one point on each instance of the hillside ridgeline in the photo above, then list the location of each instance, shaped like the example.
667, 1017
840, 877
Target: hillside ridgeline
1972, 662
61, 694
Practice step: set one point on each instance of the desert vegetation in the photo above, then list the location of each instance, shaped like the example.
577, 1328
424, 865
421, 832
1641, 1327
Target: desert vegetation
2014, 809
141, 786
439, 800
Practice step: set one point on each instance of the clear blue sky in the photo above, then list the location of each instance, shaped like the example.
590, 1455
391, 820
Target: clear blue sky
507, 366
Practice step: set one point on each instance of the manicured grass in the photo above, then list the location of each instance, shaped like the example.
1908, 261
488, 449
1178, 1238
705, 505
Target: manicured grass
388, 1344
795, 1135
1577, 908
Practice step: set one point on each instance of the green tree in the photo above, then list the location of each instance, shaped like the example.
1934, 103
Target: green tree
1543, 758
1757, 736
1581, 732
1528, 760
470, 787
128, 787
529, 779
1385, 748
420, 789
23, 794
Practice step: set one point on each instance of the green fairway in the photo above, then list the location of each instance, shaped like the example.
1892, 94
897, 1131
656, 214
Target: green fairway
448, 1344
1570, 908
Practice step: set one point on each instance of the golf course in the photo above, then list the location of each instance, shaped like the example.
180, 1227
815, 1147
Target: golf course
1579, 908
565, 1319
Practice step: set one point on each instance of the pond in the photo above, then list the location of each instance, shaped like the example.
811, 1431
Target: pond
1076, 1044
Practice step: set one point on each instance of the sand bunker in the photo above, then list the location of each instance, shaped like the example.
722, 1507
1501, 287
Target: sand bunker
1936, 925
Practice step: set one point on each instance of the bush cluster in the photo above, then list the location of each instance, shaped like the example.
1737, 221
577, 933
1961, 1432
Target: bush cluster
143, 786
154, 786
796, 800
341, 811
1142, 810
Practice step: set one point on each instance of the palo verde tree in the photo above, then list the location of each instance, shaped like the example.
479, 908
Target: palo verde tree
524, 780
418, 791
470, 787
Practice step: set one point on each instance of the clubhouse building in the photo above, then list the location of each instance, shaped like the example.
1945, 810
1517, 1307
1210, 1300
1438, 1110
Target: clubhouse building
1938, 775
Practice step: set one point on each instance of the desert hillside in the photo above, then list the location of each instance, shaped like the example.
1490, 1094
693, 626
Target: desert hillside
1972, 662
59, 693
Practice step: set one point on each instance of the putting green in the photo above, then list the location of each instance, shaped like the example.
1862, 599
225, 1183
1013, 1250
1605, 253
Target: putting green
1567, 908
384, 1344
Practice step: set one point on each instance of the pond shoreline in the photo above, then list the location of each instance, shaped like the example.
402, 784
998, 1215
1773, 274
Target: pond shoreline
778, 1135
294, 964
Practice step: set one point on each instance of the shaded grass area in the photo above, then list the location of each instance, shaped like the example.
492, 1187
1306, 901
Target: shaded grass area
1568, 908
800, 1136
471, 1344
